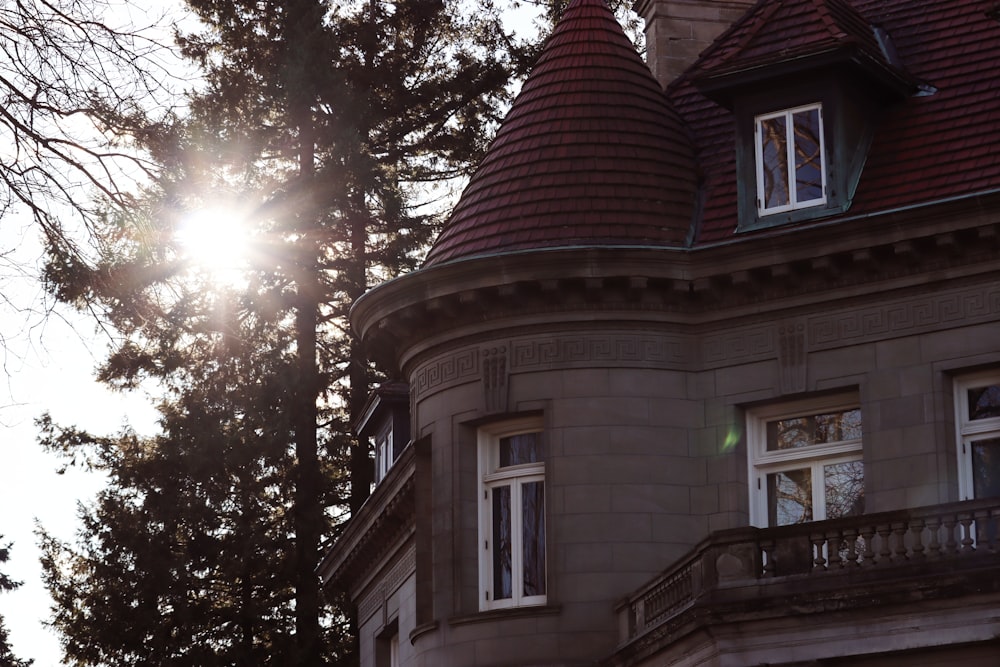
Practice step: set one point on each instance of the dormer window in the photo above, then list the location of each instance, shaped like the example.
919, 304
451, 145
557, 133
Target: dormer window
790, 159
385, 425
805, 110
385, 454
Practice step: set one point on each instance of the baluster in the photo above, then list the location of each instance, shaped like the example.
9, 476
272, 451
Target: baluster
917, 530
993, 529
968, 543
767, 556
868, 536
833, 543
640, 615
899, 531
950, 546
885, 546
934, 548
851, 537
985, 535
817, 541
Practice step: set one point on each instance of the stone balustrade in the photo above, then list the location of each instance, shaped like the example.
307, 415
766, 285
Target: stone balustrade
838, 553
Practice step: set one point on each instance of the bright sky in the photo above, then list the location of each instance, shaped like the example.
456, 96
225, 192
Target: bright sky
48, 366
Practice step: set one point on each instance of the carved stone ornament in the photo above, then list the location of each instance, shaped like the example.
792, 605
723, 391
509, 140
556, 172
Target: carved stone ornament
792, 355
495, 373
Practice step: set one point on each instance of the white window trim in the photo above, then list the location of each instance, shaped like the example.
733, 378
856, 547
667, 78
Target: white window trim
793, 203
394, 650
761, 462
489, 459
969, 431
383, 454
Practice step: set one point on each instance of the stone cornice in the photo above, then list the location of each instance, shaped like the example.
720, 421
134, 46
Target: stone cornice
764, 272
386, 515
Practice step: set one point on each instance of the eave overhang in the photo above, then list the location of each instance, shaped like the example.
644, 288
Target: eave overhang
724, 84
386, 519
763, 271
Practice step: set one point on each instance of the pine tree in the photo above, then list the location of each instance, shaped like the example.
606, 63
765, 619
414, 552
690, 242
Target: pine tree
7, 658
183, 561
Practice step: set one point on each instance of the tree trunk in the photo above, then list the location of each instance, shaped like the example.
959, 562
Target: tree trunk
308, 510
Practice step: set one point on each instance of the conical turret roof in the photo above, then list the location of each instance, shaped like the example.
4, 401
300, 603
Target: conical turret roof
591, 153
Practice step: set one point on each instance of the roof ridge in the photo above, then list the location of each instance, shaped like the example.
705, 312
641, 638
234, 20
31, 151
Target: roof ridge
756, 20
777, 29
823, 11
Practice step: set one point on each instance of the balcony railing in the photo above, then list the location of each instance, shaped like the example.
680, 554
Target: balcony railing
956, 534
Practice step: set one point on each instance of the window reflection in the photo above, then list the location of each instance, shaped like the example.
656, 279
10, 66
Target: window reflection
790, 160
502, 566
812, 430
533, 537
519, 449
789, 497
986, 468
775, 158
808, 165
984, 402
845, 489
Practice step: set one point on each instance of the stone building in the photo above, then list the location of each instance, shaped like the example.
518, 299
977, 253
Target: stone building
704, 368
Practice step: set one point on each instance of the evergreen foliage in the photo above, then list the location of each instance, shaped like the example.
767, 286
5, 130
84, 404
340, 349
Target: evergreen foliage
7, 657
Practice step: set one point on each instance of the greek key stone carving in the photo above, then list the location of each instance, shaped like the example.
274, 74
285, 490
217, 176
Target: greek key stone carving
446, 371
743, 345
792, 355
915, 315
495, 374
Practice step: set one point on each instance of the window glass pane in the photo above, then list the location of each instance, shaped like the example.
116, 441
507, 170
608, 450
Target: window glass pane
774, 157
984, 402
533, 537
845, 489
517, 449
789, 497
811, 430
986, 468
808, 160
502, 573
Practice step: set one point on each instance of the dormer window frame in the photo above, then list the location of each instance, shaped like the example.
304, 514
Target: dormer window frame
788, 156
847, 129
385, 453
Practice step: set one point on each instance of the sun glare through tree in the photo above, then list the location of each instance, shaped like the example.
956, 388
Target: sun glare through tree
217, 242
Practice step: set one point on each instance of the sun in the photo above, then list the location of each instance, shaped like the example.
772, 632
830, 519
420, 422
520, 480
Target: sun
217, 242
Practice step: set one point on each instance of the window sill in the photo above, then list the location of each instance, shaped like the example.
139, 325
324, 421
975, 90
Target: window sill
498, 614
754, 221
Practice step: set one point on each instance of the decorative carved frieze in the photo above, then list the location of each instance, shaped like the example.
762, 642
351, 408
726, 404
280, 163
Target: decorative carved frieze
742, 345
374, 602
495, 374
792, 355
788, 341
449, 370
640, 350
905, 317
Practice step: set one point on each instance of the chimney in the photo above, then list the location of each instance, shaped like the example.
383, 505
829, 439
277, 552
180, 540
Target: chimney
678, 30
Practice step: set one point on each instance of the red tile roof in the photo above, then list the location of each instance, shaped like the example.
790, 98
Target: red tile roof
787, 29
942, 144
591, 153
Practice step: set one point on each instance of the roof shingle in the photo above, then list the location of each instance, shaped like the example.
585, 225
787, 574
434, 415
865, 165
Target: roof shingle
591, 153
